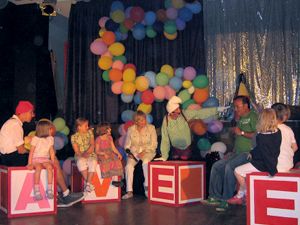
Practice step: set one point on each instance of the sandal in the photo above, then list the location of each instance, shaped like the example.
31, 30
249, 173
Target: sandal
49, 194
37, 196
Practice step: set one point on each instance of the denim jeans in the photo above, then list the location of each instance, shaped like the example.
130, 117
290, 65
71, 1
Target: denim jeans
222, 182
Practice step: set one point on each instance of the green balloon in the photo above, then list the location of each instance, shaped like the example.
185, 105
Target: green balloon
187, 103
150, 32
123, 29
200, 81
184, 95
122, 58
65, 131
105, 76
170, 27
162, 79
59, 123
203, 144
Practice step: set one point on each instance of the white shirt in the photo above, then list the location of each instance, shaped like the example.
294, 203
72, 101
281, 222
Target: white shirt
11, 135
42, 146
285, 158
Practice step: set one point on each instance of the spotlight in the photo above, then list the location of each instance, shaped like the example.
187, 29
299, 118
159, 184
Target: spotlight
48, 7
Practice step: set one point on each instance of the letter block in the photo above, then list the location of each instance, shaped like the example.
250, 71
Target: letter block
273, 200
104, 190
176, 183
16, 193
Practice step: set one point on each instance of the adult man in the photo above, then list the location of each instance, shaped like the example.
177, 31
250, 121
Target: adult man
175, 130
222, 182
13, 152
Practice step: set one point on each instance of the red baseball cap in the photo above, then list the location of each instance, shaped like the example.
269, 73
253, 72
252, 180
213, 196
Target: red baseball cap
24, 107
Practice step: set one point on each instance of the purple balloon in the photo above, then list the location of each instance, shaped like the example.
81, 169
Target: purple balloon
215, 126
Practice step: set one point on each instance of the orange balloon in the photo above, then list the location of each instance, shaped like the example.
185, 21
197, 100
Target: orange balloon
108, 37
115, 75
198, 127
201, 95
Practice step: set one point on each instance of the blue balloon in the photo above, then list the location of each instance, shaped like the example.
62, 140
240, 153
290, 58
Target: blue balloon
179, 72
195, 7
124, 36
58, 143
127, 11
137, 98
175, 83
116, 5
180, 24
127, 115
111, 25
139, 31
63, 136
185, 14
150, 18
122, 152
149, 118
211, 102
168, 4
158, 26
126, 98
151, 77
118, 36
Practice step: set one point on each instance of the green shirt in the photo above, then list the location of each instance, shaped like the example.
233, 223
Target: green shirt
247, 124
177, 132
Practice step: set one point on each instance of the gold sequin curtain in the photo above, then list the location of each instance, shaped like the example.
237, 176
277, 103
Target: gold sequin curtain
260, 38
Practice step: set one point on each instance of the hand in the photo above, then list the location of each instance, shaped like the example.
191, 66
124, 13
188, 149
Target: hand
29, 167
222, 108
85, 155
160, 159
120, 157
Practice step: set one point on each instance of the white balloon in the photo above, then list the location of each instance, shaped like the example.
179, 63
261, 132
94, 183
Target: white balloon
218, 147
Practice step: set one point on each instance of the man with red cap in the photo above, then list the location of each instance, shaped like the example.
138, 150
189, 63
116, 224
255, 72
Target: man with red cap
13, 152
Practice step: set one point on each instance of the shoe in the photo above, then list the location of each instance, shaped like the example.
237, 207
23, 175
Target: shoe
69, 200
89, 188
235, 200
49, 194
117, 183
128, 195
211, 201
37, 196
146, 192
222, 207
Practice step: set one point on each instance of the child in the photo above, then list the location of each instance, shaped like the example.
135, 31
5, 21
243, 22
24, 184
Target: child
41, 156
83, 145
264, 156
108, 155
288, 144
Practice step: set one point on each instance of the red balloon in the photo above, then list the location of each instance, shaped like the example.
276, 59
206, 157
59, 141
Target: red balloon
147, 97
129, 65
128, 23
128, 124
137, 14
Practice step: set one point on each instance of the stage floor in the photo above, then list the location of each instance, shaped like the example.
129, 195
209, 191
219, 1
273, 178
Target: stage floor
135, 211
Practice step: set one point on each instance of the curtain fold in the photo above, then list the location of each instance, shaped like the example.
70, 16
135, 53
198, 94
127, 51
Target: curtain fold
260, 38
87, 94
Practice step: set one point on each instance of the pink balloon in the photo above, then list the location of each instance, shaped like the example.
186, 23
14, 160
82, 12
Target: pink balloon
194, 107
116, 87
102, 21
170, 92
118, 64
189, 73
159, 92
172, 13
107, 53
98, 47
67, 166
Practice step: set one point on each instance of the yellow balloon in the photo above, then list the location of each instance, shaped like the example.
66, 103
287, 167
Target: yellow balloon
116, 49
187, 84
170, 37
145, 108
129, 75
105, 62
167, 69
128, 88
117, 16
142, 83
101, 32
27, 140
177, 4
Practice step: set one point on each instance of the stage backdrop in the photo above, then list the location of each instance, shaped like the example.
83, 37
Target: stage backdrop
87, 94
260, 38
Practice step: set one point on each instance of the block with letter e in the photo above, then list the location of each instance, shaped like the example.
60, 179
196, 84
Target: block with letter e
176, 183
16, 193
104, 190
273, 200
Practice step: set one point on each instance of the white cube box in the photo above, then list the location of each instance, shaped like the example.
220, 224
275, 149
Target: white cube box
16, 193
273, 200
104, 190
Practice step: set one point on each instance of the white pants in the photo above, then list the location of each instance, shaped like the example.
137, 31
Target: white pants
89, 164
245, 169
129, 169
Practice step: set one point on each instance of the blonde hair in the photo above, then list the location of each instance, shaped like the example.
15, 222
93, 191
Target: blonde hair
80, 121
267, 121
43, 128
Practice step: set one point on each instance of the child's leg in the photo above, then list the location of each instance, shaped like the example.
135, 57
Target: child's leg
49, 168
92, 163
37, 174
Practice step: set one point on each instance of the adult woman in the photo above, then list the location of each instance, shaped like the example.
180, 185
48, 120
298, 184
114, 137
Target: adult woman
141, 140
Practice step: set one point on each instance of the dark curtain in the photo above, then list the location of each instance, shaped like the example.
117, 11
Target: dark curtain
87, 94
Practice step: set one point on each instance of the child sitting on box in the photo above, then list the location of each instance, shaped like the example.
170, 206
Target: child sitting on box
83, 145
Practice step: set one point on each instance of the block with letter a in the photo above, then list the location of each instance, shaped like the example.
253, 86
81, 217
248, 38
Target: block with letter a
104, 190
16, 193
273, 200
176, 183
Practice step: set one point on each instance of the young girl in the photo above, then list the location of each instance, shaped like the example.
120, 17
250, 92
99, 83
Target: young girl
83, 145
264, 156
41, 156
108, 155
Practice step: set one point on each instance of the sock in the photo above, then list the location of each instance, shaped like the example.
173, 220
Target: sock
240, 194
49, 187
36, 188
66, 192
